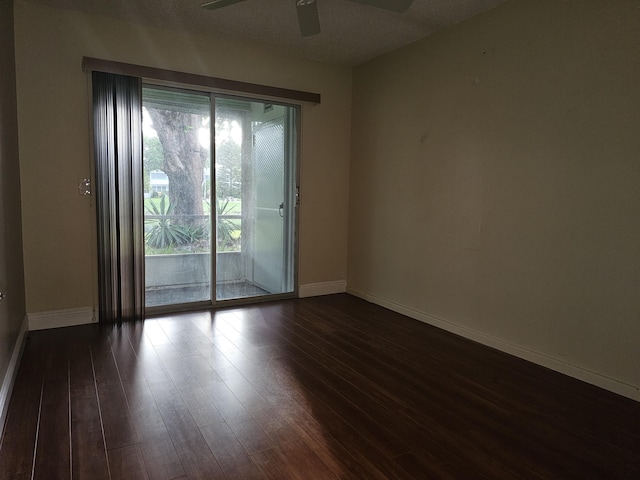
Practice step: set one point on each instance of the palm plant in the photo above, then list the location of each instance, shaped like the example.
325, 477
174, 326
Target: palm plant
163, 232
225, 226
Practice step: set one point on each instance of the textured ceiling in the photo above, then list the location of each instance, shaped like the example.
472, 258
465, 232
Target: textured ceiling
351, 33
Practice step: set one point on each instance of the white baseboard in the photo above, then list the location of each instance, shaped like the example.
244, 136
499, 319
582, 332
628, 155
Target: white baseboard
12, 369
323, 288
575, 371
61, 318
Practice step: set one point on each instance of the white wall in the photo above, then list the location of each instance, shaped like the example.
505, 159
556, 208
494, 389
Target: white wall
495, 184
54, 120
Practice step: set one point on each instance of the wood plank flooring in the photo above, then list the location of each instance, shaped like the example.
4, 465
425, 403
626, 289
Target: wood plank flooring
321, 388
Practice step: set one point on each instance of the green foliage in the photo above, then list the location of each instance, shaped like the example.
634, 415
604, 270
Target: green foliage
199, 237
153, 153
163, 232
228, 169
152, 158
165, 236
228, 239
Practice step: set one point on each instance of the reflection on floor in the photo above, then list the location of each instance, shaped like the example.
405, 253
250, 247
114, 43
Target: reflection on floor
200, 293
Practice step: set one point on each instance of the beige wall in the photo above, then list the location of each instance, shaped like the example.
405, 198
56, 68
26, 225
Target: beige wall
12, 308
54, 123
495, 183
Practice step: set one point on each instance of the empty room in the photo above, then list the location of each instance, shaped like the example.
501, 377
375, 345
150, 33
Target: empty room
425, 217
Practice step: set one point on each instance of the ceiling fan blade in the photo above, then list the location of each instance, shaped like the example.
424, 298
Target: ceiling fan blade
398, 6
214, 4
308, 17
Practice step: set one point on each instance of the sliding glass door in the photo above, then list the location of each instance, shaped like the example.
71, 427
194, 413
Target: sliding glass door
255, 152
217, 227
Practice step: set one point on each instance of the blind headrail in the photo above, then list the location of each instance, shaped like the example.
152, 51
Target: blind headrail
132, 70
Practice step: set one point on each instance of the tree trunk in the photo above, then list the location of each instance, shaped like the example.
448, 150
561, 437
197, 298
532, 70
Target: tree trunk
184, 161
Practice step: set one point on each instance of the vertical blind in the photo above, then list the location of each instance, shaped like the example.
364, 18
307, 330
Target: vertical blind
117, 114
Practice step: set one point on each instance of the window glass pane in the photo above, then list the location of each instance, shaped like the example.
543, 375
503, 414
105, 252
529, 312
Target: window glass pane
255, 201
177, 203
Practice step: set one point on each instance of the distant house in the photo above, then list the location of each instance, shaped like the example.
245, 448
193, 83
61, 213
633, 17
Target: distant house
158, 182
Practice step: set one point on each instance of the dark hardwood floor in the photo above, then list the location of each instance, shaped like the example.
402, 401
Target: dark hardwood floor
321, 388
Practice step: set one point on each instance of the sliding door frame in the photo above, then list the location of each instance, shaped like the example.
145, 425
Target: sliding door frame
292, 179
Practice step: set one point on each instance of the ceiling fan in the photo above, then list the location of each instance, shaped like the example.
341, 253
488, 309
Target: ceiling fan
308, 10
